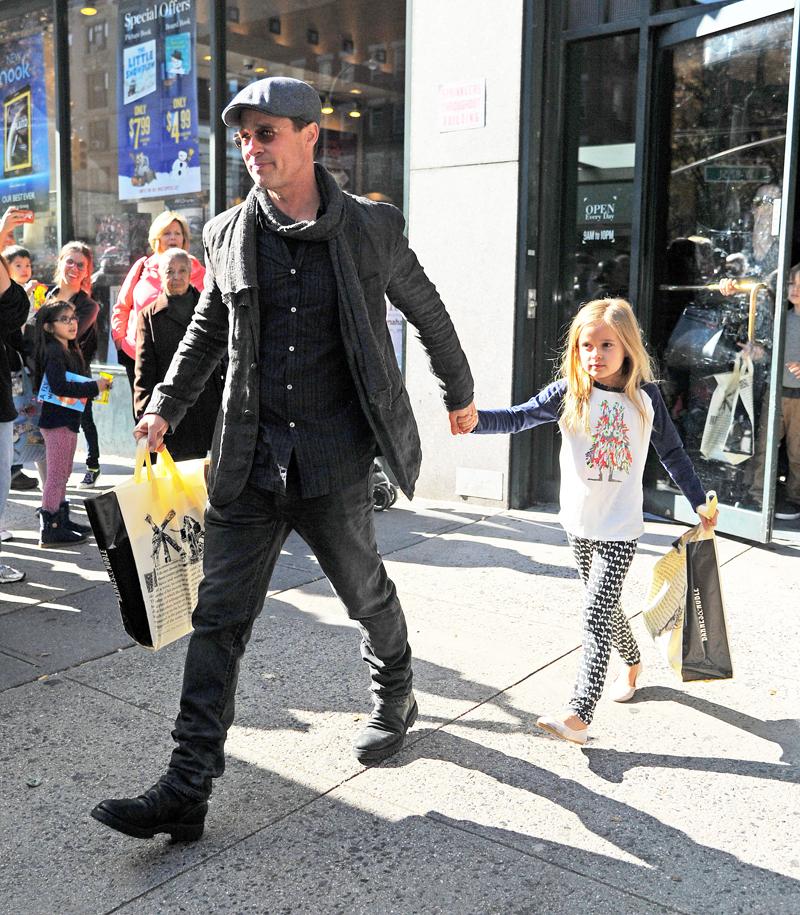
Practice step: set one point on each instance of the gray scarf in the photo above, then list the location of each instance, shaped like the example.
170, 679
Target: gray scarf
356, 327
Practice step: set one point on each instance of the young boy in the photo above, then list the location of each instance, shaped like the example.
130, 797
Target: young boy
20, 269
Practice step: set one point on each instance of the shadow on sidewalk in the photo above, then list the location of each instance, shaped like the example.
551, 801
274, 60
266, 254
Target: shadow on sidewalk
784, 732
674, 869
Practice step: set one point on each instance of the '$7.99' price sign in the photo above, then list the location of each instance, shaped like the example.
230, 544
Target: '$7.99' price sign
179, 120
139, 127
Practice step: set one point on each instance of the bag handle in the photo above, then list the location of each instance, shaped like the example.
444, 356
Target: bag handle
710, 507
165, 459
142, 460
698, 532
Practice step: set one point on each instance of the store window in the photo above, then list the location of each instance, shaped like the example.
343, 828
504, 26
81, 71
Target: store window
139, 111
27, 96
582, 13
600, 133
721, 222
353, 53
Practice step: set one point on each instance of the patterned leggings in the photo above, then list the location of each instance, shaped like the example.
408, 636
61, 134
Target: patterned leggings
60, 447
603, 565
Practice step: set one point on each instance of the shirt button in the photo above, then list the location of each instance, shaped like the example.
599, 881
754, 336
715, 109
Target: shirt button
291, 349
253, 366
293, 271
291, 425
293, 309
288, 387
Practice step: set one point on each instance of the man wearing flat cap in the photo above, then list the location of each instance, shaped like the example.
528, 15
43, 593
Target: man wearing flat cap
295, 282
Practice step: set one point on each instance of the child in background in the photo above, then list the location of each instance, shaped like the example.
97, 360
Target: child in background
21, 269
609, 411
29, 446
13, 308
57, 353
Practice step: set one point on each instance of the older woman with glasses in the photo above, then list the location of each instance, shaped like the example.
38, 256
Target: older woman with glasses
142, 285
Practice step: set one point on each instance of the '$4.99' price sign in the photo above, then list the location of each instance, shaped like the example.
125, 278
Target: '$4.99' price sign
179, 120
139, 127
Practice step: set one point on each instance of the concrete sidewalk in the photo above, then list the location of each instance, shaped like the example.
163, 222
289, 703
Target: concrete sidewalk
684, 800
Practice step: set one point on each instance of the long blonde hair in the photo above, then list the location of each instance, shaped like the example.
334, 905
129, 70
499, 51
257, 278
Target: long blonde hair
637, 367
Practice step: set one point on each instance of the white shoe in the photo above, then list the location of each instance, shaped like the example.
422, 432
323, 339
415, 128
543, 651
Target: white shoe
6, 536
621, 690
9, 575
559, 729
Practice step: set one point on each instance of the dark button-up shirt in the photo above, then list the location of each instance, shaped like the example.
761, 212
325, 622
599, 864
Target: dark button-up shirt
309, 407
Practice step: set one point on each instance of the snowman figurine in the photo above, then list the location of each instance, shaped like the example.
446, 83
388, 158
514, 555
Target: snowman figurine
181, 165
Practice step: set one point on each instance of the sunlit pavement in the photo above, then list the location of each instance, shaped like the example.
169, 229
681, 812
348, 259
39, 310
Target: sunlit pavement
684, 800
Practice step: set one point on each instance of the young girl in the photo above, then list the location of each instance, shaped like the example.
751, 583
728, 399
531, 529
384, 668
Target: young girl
73, 283
57, 353
609, 411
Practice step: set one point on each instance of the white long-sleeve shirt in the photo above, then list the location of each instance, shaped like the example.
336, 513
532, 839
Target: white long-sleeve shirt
601, 469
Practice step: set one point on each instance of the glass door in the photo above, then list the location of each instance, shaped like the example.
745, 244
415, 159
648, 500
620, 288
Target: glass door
599, 153
722, 253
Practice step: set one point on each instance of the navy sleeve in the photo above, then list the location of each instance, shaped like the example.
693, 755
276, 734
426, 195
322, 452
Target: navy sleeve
543, 407
57, 379
670, 451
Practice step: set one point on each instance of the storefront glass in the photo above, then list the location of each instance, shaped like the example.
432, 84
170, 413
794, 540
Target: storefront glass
27, 94
353, 52
139, 110
600, 134
729, 100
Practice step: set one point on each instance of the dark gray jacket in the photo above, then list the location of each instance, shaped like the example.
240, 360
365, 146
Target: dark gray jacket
227, 317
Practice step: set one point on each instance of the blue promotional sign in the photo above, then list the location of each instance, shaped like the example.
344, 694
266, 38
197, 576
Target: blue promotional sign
25, 180
159, 153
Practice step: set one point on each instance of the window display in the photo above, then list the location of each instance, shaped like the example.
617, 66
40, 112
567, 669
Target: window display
27, 103
600, 134
713, 315
139, 132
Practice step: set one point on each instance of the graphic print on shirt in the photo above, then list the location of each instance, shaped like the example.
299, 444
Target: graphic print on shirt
610, 449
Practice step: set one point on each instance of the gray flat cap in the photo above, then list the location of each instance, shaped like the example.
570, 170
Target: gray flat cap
277, 95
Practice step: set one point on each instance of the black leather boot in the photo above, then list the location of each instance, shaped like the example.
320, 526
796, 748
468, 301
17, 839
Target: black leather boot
71, 525
385, 731
159, 809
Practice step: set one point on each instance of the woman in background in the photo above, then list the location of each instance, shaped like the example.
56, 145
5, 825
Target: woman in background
142, 285
73, 284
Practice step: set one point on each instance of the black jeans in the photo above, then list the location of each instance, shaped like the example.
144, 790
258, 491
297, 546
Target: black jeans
90, 431
242, 543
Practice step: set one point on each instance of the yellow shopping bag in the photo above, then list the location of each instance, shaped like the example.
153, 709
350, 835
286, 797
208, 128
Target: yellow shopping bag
150, 531
684, 611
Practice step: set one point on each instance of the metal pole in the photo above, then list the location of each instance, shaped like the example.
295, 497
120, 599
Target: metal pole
63, 163
218, 195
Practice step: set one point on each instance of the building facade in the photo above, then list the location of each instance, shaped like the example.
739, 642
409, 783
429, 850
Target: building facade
636, 148
545, 152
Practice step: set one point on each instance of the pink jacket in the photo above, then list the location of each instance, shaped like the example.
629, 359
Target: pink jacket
141, 287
